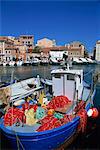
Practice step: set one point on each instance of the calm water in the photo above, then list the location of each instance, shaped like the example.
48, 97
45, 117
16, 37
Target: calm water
91, 139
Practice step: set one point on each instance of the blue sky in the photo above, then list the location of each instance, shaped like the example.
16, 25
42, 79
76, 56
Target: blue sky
63, 21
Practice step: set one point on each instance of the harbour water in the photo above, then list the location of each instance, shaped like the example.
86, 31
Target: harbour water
91, 139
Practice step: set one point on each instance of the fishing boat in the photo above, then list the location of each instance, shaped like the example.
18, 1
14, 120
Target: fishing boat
60, 118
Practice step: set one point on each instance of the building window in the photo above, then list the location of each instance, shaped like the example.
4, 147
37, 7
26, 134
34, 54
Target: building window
0, 51
9, 51
28, 42
16, 51
6, 51
71, 53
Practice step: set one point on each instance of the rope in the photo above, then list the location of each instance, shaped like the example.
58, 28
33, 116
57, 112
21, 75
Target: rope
18, 142
88, 72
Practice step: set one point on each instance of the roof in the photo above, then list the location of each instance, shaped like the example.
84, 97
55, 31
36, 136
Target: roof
26, 35
6, 39
45, 39
55, 48
67, 71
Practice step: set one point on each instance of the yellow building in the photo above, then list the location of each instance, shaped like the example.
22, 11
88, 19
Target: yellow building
45, 42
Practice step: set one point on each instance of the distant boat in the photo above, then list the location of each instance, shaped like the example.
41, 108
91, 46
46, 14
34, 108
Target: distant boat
84, 60
4, 63
54, 61
90, 61
27, 63
11, 63
44, 61
35, 61
76, 61
19, 63
67, 84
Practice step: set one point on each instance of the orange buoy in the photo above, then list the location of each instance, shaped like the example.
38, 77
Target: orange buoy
93, 112
50, 112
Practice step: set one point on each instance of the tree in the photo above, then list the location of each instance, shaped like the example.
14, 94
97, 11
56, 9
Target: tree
37, 49
86, 53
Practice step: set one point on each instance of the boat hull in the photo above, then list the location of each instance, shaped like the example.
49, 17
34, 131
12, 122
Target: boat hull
45, 140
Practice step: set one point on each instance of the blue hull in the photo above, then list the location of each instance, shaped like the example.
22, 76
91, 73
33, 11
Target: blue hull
42, 140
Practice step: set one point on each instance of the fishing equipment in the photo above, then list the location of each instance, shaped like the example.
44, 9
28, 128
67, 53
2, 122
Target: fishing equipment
30, 117
58, 115
12, 115
93, 112
58, 102
83, 120
50, 112
40, 113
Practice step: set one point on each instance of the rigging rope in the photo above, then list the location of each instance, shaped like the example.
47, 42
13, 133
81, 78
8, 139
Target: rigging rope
88, 72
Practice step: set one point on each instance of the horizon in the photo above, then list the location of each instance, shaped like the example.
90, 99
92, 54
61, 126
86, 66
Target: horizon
62, 21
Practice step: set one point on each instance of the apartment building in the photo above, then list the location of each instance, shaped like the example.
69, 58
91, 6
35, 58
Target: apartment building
97, 51
27, 40
75, 49
6, 48
45, 42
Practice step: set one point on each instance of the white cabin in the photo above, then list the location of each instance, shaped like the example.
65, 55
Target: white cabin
67, 82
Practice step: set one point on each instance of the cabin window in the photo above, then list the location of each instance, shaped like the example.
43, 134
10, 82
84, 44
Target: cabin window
70, 77
57, 75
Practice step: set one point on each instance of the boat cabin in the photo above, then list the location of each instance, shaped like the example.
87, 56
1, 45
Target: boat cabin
67, 82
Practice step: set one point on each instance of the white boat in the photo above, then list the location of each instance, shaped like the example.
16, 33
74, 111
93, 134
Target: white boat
4, 63
90, 61
35, 61
84, 60
44, 61
54, 61
23, 88
19, 63
11, 63
27, 63
76, 61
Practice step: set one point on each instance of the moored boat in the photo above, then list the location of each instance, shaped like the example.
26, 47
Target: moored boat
35, 61
68, 91
44, 61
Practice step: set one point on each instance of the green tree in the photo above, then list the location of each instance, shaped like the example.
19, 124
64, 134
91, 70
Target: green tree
86, 53
37, 49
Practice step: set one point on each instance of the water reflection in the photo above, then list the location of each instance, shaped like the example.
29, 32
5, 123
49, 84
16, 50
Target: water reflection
24, 72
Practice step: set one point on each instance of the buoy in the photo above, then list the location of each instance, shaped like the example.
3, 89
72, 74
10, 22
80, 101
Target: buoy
50, 112
93, 112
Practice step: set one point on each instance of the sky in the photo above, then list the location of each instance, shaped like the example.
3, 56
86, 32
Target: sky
65, 21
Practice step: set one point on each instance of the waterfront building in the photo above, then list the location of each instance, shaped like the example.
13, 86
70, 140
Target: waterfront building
97, 52
6, 48
45, 42
75, 49
27, 40
56, 51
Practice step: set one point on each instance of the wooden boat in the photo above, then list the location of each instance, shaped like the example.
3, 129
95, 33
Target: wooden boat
65, 82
